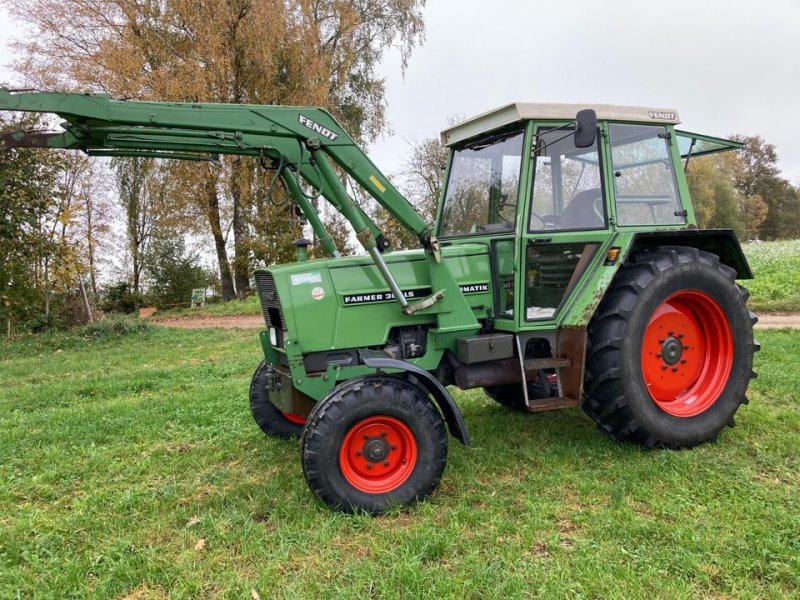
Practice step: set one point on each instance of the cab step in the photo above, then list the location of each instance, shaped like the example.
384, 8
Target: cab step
556, 403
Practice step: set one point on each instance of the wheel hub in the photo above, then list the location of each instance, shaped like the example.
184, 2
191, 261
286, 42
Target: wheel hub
671, 351
376, 449
687, 353
378, 454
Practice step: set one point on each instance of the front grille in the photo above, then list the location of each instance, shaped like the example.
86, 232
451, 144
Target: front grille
270, 305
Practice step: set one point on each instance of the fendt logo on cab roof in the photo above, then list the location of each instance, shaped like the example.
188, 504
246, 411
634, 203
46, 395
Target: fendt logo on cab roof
662, 116
323, 131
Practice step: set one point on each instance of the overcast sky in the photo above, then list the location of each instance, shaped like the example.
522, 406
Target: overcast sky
726, 66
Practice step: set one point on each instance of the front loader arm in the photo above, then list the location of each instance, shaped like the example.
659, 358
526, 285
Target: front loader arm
300, 140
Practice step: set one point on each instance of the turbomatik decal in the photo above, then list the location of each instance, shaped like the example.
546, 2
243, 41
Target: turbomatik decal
314, 126
318, 293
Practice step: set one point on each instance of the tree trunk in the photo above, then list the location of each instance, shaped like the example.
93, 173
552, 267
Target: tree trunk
136, 266
212, 211
90, 247
241, 261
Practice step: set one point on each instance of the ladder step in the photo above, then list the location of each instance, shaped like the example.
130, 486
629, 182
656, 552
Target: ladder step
534, 364
543, 404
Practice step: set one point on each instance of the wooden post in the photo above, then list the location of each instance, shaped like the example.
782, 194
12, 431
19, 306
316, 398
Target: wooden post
85, 299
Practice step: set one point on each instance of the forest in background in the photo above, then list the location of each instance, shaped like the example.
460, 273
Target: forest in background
118, 234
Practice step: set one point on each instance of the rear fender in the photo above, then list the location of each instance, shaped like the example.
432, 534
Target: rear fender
722, 242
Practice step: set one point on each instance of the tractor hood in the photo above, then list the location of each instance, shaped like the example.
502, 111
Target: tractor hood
345, 302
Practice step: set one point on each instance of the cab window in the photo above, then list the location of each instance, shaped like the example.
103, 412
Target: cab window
567, 187
483, 186
644, 176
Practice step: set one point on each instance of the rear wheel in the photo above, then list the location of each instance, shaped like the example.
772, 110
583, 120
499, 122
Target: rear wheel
372, 443
670, 350
268, 416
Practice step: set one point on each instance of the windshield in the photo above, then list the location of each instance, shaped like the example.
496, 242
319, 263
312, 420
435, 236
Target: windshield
483, 186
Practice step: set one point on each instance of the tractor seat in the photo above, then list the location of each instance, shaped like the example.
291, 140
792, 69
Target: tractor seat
580, 212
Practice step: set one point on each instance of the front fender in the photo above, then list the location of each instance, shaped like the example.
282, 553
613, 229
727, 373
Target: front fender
450, 411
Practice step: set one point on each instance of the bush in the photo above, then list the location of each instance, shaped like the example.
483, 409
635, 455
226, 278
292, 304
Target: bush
115, 326
120, 298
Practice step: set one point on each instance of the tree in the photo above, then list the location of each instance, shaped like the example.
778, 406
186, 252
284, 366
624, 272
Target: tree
421, 181
717, 202
758, 178
173, 272
141, 196
301, 52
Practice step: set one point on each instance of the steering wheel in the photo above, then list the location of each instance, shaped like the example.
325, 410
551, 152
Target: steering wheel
500, 207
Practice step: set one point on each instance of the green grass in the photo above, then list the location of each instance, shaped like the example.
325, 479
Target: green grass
248, 306
776, 266
119, 453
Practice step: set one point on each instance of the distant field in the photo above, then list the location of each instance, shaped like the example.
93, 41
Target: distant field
776, 266
130, 468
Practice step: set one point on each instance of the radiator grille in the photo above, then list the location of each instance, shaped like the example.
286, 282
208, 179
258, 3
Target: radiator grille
270, 304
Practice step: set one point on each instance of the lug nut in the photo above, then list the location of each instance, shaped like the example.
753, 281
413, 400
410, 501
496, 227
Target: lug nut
386, 463
383, 434
393, 447
683, 361
674, 369
369, 466
358, 452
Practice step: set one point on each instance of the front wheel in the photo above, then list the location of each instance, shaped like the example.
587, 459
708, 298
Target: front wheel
670, 350
372, 443
266, 415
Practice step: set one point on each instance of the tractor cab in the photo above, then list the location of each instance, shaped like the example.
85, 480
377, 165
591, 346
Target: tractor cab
555, 191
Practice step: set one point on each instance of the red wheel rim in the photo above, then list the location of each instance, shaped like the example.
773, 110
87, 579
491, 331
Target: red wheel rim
294, 418
687, 353
378, 454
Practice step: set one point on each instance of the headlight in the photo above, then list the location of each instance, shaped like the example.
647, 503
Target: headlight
273, 336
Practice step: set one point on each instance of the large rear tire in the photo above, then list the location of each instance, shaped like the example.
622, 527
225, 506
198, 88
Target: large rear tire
268, 417
372, 443
670, 350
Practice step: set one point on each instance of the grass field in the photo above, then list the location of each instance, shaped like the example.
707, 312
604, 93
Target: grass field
776, 266
130, 468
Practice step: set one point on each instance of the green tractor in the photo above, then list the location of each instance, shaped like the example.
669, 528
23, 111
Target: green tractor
565, 268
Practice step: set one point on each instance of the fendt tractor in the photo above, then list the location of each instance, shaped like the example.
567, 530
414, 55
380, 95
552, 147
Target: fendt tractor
564, 269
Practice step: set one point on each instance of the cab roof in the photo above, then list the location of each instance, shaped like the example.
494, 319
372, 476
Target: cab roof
520, 111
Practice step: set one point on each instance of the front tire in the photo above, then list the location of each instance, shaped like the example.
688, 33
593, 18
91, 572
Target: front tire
670, 350
266, 415
372, 443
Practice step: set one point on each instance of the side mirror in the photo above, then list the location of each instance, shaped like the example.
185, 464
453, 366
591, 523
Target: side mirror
586, 128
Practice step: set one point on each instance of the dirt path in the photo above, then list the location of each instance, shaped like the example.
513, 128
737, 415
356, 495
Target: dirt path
766, 321
778, 321
215, 322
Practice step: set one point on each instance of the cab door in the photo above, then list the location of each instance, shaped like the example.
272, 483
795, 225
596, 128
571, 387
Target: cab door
567, 232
